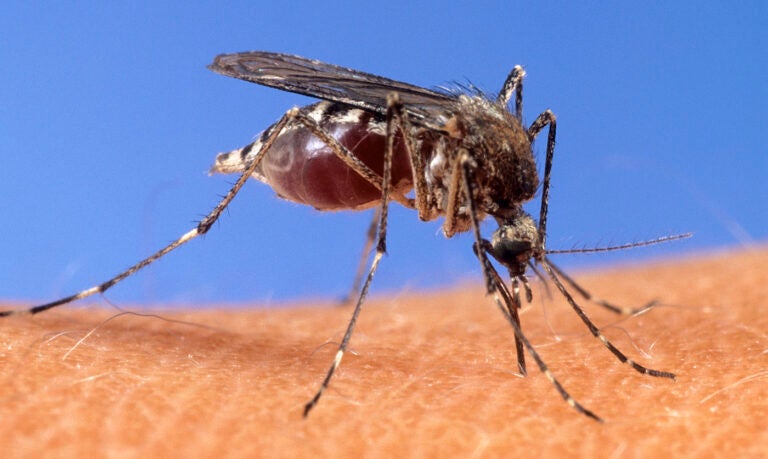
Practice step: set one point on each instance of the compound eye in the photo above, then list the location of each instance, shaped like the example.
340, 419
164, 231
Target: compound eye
509, 251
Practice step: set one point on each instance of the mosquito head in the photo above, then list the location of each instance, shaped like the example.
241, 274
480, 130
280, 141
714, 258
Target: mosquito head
515, 242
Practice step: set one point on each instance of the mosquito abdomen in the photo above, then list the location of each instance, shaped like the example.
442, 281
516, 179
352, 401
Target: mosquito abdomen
302, 168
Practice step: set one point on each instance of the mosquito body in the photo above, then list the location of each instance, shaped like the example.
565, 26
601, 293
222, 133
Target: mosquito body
456, 154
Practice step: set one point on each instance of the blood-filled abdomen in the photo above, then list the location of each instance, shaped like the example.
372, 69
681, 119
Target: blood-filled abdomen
302, 168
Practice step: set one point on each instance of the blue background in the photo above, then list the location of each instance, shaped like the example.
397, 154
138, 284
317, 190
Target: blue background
109, 121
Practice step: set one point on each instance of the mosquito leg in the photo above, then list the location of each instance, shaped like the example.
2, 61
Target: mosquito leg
381, 249
492, 279
360, 272
512, 303
544, 282
202, 228
452, 211
424, 199
513, 83
596, 331
623, 310
347, 335
544, 369
546, 118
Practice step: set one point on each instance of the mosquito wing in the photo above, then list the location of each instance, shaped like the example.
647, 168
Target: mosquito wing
331, 82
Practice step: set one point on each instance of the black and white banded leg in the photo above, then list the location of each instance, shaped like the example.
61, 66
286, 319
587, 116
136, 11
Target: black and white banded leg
381, 249
502, 297
202, 228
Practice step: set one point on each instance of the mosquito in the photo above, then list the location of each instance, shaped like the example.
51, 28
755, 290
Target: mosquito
454, 153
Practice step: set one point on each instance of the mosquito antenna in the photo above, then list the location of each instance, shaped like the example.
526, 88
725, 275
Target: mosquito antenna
630, 245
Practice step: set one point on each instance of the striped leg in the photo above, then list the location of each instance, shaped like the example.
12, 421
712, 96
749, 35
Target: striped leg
202, 228
381, 248
596, 331
500, 296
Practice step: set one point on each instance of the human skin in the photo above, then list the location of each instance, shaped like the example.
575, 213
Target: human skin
428, 374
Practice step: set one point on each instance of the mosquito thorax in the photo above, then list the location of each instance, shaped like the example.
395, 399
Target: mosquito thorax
515, 242
498, 142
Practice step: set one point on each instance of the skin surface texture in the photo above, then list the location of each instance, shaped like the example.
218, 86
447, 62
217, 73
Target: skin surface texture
428, 374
